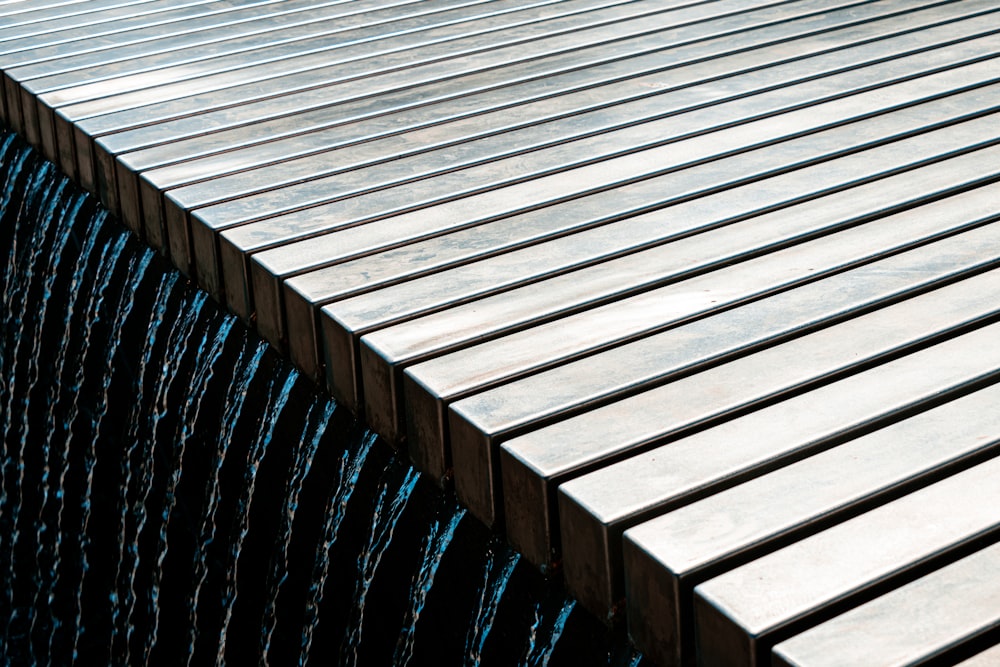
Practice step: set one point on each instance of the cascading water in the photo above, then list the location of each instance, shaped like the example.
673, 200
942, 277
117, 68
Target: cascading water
174, 493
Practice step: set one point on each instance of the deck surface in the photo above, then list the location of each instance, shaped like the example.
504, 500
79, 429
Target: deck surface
698, 301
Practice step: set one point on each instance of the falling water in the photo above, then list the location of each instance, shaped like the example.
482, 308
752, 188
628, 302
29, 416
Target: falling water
317, 421
23, 272
131, 462
389, 508
204, 370
277, 398
171, 491
208, 528
435, 543
42, 533
500, 564
540, 652
349, 470
137, 266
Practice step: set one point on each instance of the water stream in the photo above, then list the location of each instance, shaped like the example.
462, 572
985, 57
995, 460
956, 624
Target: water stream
173, 492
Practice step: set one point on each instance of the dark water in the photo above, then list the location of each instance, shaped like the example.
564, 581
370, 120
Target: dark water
174, 493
